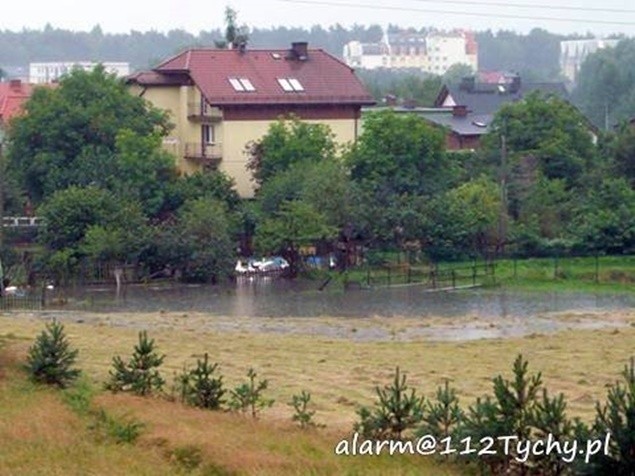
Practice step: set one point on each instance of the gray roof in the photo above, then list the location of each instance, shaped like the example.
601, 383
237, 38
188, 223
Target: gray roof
470, 125
485, 98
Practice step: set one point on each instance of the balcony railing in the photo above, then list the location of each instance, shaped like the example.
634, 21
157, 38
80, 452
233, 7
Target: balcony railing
199, 112
208, 153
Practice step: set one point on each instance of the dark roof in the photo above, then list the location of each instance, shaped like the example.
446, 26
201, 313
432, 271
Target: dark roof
487, 98
323, 78
470, 125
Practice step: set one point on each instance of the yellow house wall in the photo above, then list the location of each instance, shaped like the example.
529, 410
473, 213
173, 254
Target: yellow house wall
232, 136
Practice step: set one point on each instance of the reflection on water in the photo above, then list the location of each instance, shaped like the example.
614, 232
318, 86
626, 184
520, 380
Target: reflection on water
280, 298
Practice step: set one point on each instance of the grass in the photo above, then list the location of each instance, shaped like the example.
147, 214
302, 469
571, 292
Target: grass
43, 431
48, 432
589, 274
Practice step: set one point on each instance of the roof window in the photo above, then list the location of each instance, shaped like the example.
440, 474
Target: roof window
290, 85
242, 85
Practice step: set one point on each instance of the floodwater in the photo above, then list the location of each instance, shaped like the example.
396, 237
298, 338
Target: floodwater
266, 297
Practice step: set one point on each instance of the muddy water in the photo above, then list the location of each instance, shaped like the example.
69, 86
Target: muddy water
280, 298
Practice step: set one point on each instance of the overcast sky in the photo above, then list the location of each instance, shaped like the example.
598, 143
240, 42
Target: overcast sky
118, 16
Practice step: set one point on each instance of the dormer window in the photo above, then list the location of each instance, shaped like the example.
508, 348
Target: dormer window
241, 85
290, 85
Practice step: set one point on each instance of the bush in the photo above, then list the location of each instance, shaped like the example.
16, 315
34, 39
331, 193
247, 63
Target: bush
302, 415
617, 417
395, 412
249, 395
140, 375
51, 359
199, 387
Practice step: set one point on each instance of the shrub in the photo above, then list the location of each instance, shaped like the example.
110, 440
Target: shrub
395, 412
51, 359
302, 415
200, 387
140, 375
249, 395
617, 417
443, 415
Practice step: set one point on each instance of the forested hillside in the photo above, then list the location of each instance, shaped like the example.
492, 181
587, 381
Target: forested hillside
535, 54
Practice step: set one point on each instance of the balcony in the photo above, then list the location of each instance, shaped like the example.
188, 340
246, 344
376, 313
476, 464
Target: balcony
207, 154
204, 113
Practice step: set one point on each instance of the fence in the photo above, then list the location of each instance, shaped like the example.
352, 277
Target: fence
32, 301
432, 276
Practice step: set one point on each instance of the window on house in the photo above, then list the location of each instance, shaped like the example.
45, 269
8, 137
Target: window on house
241, 84
290, 85
295, 84
207, 131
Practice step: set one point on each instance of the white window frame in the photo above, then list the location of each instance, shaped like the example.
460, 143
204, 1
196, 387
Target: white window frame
208, 134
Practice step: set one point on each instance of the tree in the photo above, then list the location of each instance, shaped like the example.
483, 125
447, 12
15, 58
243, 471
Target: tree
398, 410
235, 36
249, 396
456, 72
69, 213
296, 224
509, 413
617, 417
73, 133
605, 91
200, 387
140, 375
463, 221
399, 154
51, 359
205, 231
549, 129
287, 142
604, 220
624, 154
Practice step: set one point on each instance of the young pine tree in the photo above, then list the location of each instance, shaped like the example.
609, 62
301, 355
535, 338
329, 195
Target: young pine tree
51, 359
617, 417
249, 396
140, 375
443, 415
201, 387
398, 409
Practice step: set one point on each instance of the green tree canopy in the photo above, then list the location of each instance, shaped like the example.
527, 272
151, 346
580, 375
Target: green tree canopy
548, 128
287, 142
72, 134
606, 91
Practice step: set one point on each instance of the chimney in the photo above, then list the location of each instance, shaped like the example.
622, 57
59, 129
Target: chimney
459, 111
514, 86
467, 83
15, 84
300, 50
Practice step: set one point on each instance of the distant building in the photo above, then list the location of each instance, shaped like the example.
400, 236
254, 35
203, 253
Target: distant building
367, 55
466, 110
432, 53
13, 94
42, 73
574, 52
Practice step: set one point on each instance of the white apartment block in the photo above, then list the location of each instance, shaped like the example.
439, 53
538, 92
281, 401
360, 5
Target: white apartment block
574, 52
433, 53
42, 73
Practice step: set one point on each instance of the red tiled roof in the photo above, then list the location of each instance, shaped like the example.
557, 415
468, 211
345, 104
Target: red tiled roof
12, 97
325, 79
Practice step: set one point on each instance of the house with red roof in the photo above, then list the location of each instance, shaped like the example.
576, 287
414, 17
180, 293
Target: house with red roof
222, 99
13, 94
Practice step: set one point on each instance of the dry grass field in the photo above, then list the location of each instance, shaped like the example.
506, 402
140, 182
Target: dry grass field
40, 435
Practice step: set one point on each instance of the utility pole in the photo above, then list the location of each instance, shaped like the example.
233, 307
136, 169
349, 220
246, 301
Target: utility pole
502, 219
